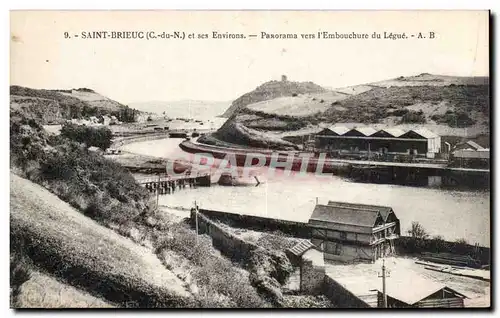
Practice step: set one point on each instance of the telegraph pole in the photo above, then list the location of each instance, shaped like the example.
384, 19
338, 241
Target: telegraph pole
384, 293
158, 190
196, 220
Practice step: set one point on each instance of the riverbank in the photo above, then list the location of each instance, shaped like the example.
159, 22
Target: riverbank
444, 212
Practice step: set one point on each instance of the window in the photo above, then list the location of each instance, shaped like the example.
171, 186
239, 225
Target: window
338, 249
343, 235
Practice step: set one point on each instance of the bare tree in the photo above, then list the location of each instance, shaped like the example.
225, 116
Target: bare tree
418, 231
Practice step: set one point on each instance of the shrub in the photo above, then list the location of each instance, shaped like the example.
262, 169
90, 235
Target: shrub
214, 274
417, 231
91, 136
454, 119
414, 117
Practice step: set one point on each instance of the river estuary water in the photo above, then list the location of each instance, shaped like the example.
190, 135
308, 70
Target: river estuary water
452, 214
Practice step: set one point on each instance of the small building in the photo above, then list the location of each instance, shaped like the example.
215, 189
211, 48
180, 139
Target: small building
470, 154
106, 120
354, 232
413, 291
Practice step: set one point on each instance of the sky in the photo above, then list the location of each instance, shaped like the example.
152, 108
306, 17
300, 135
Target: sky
135, 70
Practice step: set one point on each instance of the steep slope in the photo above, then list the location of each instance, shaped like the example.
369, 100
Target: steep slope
446, 104
56, 106
271, 90
45, 291
78, 250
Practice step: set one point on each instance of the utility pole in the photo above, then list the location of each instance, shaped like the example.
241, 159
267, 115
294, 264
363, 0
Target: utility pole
384, 275
158, 191
196, 220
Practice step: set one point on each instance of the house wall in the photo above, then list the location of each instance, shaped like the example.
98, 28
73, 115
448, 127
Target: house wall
312, 272
344, 252
363, 238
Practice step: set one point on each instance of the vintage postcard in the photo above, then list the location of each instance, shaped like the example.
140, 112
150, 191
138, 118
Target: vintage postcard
250, 159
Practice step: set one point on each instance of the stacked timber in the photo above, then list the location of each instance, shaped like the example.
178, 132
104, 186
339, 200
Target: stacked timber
451, 259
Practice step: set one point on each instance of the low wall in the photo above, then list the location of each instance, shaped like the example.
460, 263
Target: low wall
228, 244
122, 141
340, 296
297, 229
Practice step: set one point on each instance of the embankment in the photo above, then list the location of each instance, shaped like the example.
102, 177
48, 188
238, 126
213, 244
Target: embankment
268, 269
78, 250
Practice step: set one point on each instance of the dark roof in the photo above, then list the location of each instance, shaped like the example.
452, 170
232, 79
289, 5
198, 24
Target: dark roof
300, 248
360, 131
474, 145
420, 133
384, 210
334, 130
345, 215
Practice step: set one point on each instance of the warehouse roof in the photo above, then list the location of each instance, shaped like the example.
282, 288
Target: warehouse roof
351, 215
422, 132
394, 132
365, 131
383, 210
397, 287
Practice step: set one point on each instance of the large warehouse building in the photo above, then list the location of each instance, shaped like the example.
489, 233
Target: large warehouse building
420, 142
351, 232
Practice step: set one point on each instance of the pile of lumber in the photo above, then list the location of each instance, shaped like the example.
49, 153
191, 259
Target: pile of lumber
451, 259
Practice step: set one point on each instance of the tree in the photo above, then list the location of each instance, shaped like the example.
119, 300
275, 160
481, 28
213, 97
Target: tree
91, 136
418, 231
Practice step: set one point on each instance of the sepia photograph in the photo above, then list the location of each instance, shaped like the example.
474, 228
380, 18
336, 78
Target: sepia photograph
250, 159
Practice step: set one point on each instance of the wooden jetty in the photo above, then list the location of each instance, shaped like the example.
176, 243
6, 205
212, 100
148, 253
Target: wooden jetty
166, 184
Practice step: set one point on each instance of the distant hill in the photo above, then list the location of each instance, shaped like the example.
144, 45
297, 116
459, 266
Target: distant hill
56, 106
184, 108
448, 105
271, 90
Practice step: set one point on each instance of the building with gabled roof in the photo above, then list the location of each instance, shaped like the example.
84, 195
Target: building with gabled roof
334, 130
366, 141
389, 133
423, 293
350, 232
361, 131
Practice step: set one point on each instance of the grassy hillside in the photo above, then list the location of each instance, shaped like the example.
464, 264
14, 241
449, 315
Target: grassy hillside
45, 291
67, 244
58, 236
445, 104
271, 90
57, 106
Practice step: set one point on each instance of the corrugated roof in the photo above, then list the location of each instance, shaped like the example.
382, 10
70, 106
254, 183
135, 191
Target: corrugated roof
345, 215
474, 145
395, 132
366, 131
340, 130
424, 133
300, 248
383, 210
409, 288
